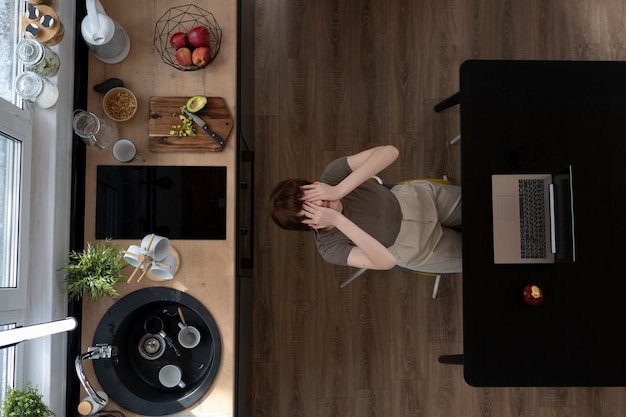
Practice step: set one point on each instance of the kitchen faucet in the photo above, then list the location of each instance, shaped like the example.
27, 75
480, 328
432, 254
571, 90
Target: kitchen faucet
93, 352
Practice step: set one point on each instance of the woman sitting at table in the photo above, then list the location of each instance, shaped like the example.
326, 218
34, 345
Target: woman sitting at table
365, 225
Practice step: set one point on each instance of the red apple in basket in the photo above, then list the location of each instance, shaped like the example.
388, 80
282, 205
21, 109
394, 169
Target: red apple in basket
179, 40
201, 56
183, 56
198, 36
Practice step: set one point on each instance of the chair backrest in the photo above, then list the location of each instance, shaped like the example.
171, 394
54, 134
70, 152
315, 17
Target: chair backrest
443, 180
377, 179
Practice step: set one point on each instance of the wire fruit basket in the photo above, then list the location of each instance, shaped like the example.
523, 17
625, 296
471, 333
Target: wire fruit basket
183, 19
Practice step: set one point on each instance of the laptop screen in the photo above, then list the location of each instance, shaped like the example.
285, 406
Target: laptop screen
566, 242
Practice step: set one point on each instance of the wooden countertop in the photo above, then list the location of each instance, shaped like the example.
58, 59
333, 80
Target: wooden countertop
210, 280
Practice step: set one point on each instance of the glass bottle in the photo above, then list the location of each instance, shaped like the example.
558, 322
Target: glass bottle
37, 89
37, 57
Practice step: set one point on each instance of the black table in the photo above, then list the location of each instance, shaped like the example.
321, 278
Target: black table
577, 336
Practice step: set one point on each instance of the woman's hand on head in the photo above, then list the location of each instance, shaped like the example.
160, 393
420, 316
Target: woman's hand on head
320, 191
318, 217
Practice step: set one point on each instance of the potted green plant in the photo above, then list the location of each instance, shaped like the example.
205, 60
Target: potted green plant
26, 402
94, 271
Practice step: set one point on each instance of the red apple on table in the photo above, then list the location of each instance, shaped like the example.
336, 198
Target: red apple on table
198, 36
179, 40
183, 56
533, 295
201, 56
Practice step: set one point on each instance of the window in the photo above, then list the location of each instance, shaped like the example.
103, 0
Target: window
7, 365
12, 290
10, 174
14, 186
10, 15
15, 154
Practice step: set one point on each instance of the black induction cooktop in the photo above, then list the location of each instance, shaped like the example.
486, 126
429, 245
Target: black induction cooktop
178, 202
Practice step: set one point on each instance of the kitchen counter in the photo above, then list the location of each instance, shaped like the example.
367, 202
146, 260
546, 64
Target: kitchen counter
207, 268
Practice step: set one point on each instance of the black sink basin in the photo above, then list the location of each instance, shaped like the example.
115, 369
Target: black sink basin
131, 378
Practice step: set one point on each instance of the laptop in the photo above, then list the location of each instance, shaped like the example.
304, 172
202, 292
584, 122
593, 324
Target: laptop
533, 218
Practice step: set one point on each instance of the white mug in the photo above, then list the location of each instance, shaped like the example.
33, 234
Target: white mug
165, 268
132, 254
188, 336
159, 248
125, 151
171, 376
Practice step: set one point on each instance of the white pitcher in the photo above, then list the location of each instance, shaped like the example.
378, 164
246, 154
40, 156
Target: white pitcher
106, 39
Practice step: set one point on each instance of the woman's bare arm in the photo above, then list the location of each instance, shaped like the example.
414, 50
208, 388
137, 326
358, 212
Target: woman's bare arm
364, 165
368, 252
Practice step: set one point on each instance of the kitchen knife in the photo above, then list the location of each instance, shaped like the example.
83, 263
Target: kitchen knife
203, 125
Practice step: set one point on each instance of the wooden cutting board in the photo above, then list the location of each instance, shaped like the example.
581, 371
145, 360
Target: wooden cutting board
165, 112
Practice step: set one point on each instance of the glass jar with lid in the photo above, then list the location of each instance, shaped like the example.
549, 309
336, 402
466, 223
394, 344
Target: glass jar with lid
37, 89
37, 57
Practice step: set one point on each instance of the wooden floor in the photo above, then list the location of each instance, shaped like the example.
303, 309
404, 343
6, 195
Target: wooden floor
337, 76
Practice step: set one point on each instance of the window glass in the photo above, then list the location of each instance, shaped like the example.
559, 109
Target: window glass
7, 365
10, 156
10, 15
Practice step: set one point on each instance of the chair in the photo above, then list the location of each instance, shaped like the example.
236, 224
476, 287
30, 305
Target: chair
360, 272
453, 100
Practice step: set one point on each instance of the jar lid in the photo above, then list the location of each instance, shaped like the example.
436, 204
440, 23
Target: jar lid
28, 85
47, 21
32, 30
32, 12
29, 51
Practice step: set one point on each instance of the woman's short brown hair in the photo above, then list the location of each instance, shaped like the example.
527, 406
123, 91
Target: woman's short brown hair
287, 204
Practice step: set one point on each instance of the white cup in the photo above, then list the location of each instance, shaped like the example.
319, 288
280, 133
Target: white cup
165, 268
159, 248
132, 254
170, 376
125, 151
188, 336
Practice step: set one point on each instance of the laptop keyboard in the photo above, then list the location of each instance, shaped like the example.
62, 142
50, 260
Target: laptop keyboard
532, 219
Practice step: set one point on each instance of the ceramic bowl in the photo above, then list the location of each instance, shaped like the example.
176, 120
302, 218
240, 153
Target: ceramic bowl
119, 104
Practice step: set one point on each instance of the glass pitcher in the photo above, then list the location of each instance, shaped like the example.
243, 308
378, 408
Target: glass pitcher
95, 132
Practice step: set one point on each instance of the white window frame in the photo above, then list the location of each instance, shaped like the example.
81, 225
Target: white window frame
16, 123
45, 232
